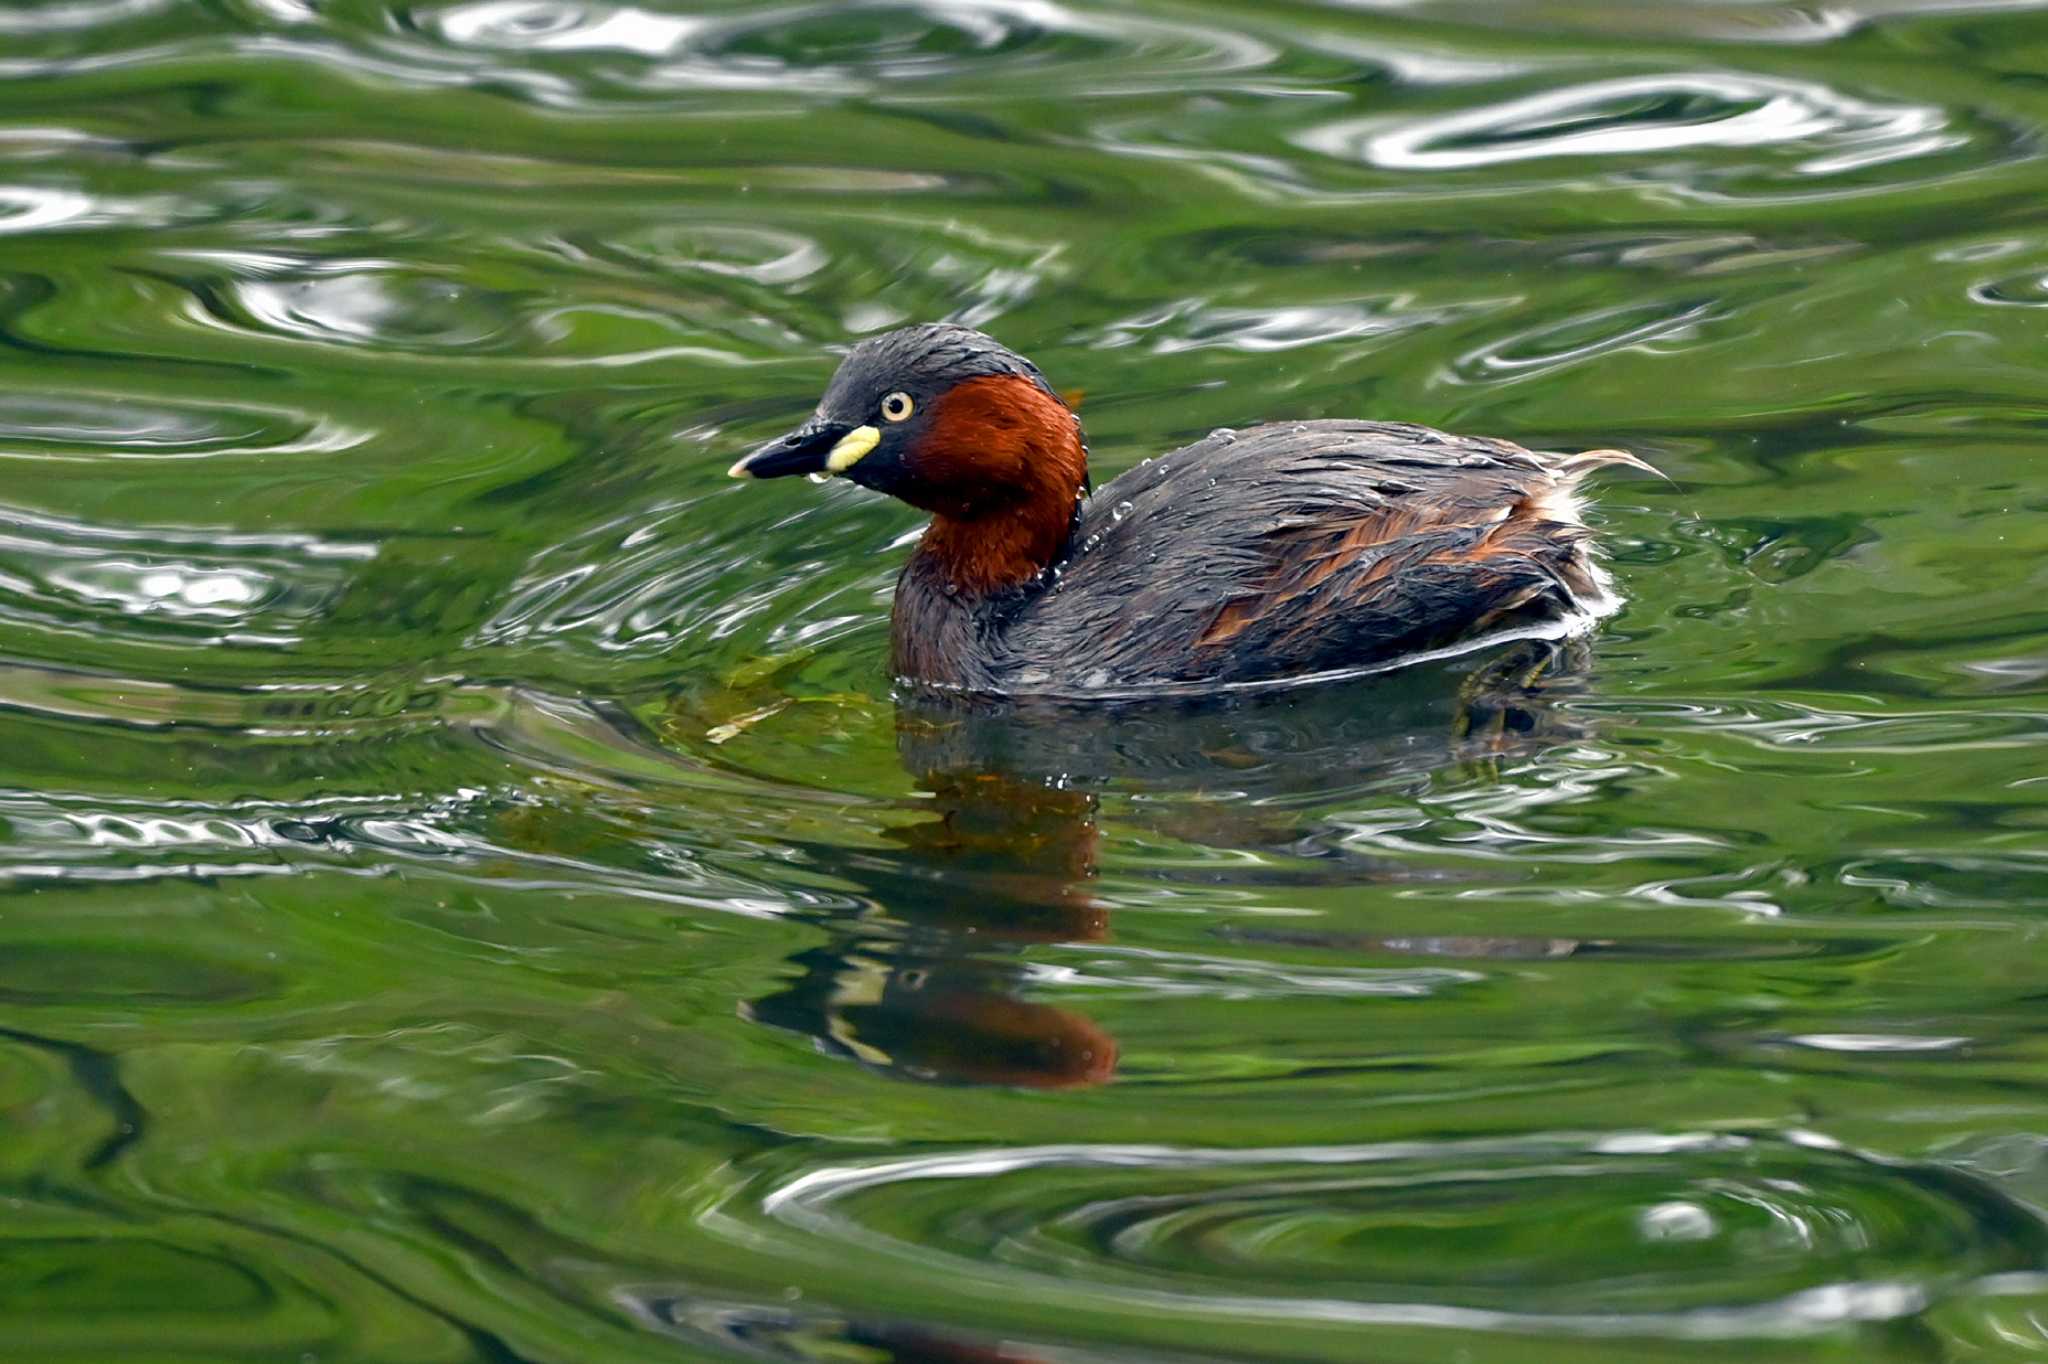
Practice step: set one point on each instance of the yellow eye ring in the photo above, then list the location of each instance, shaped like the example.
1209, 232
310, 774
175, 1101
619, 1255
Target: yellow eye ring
897, 407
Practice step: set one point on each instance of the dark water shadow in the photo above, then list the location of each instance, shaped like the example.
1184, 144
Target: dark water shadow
926, 978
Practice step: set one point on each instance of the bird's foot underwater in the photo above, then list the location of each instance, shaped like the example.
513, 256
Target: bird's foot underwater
1512, 704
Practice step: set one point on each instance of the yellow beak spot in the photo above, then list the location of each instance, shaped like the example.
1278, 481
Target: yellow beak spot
852, 447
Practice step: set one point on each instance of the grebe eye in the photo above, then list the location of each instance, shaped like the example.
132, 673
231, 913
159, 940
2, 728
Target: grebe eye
897, 407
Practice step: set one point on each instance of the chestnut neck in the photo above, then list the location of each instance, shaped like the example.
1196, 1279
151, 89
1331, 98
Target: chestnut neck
1002, 471
994, 554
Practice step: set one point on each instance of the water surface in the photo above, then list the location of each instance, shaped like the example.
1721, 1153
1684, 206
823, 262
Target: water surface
467, 891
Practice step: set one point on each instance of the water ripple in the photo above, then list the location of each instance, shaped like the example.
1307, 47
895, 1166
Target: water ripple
1841, 728
29, 20
1733, 21
1735, 1236
760, 255
2026, 290
353, 302
29, 210
257, 589
645, 586
835, 51
1153, 972
1814, 131
1555, 345
554, 26
26, 209
80, 425
1196, 324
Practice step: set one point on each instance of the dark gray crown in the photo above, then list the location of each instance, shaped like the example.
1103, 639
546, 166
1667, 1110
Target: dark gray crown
932, 356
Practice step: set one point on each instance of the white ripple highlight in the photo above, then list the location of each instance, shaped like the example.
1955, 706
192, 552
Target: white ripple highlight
1587, 120
1809, 1208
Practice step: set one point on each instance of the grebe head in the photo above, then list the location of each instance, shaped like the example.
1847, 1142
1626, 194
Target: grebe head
945, 418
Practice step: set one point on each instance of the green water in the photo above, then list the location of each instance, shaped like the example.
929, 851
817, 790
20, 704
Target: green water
467, 892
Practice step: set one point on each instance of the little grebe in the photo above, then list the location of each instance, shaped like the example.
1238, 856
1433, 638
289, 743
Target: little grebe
1251, 556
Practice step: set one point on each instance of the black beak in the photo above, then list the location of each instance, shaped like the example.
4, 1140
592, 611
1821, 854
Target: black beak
802, 451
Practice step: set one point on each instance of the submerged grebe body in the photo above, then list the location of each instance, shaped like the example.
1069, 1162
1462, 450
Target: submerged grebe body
1262, 555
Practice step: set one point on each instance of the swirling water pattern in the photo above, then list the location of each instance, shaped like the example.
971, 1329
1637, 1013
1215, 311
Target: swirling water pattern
467, 891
